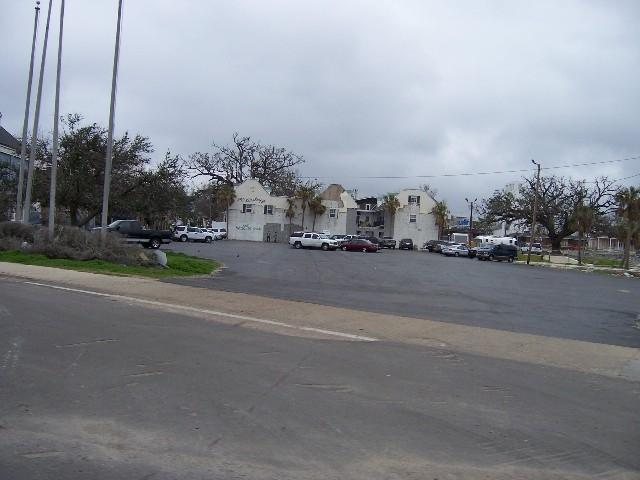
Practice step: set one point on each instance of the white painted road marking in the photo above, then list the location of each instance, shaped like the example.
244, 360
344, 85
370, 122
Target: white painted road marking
210, 312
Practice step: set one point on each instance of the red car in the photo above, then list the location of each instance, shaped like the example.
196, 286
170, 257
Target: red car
359, 245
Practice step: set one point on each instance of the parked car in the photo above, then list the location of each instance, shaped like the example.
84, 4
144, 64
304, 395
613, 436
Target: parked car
194, 234
497, 252
376, 241
337, 238
406, 244
437, 248
388, 242
456, 251
359, 245
346, 238
218, 233
133, 232
432, 244
312, 240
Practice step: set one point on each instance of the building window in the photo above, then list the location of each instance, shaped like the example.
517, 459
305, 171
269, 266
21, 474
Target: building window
414, 199
367, 206
333, 212
247, 208
412, 218
268, 209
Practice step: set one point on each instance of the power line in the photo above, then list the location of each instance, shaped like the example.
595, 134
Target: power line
627, 178
495, 172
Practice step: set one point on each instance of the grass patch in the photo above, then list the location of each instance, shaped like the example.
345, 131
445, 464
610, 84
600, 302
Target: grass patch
534, 258
179, 265
602, 262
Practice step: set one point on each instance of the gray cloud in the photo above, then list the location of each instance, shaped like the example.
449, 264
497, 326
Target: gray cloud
399, 88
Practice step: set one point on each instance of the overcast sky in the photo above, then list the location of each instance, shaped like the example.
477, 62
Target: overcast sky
359, 88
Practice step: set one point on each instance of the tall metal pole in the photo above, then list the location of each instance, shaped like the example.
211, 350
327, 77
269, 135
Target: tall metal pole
26, 209
471, 218
25, 124
535, 212
112, 111
56, 121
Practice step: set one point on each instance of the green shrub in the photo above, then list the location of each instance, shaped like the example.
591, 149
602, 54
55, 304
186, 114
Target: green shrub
17, 231
70, 243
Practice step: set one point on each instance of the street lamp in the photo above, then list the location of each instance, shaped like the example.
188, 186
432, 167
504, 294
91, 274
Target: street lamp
471, 218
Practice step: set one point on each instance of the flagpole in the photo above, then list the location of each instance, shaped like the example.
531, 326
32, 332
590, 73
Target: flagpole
25, 124
112, 110
56, 121
26, 210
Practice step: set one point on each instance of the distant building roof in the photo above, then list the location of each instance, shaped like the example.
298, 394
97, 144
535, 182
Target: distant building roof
8, 140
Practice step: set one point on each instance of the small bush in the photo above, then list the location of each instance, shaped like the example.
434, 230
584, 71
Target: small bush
71, 243
16, 230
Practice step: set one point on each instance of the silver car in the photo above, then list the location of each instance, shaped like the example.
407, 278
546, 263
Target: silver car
458, 250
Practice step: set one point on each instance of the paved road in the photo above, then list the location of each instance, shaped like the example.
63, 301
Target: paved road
93, 388
592, 307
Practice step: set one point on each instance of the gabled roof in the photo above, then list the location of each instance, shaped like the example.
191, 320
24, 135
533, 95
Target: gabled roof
9, 140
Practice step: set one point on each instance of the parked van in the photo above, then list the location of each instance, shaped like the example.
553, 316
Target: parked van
498, 252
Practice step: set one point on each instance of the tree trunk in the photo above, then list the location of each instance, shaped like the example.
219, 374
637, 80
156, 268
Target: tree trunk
73, 213
313, 227
579, 248
303, 209
627, 249
556, 242
227, 220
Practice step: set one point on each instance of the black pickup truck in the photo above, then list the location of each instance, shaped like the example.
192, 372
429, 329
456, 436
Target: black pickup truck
133, 232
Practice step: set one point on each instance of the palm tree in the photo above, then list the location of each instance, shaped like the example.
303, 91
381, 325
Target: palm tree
317, 208
391, 204
440, 211
304, 194
227, 195
583, 218
628, 201
291, 211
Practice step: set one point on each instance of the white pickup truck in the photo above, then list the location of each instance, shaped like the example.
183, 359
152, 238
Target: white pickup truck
312, 240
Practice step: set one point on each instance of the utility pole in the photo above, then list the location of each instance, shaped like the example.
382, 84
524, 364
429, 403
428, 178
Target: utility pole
471, 218
535, 211
26, 208
112, 111
56, 121
25, 124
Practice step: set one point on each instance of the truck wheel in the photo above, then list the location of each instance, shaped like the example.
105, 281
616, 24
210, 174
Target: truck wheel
155, 243
183, 238
207, 240
325, 247
298, 245
491, 258
457, 254
510, 260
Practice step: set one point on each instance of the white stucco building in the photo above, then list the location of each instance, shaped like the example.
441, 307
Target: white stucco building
259, 216
413, 219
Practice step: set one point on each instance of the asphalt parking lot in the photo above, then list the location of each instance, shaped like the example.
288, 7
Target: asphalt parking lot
583, 306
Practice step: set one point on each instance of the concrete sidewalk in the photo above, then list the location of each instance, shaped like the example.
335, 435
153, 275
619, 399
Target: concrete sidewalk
319, 321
